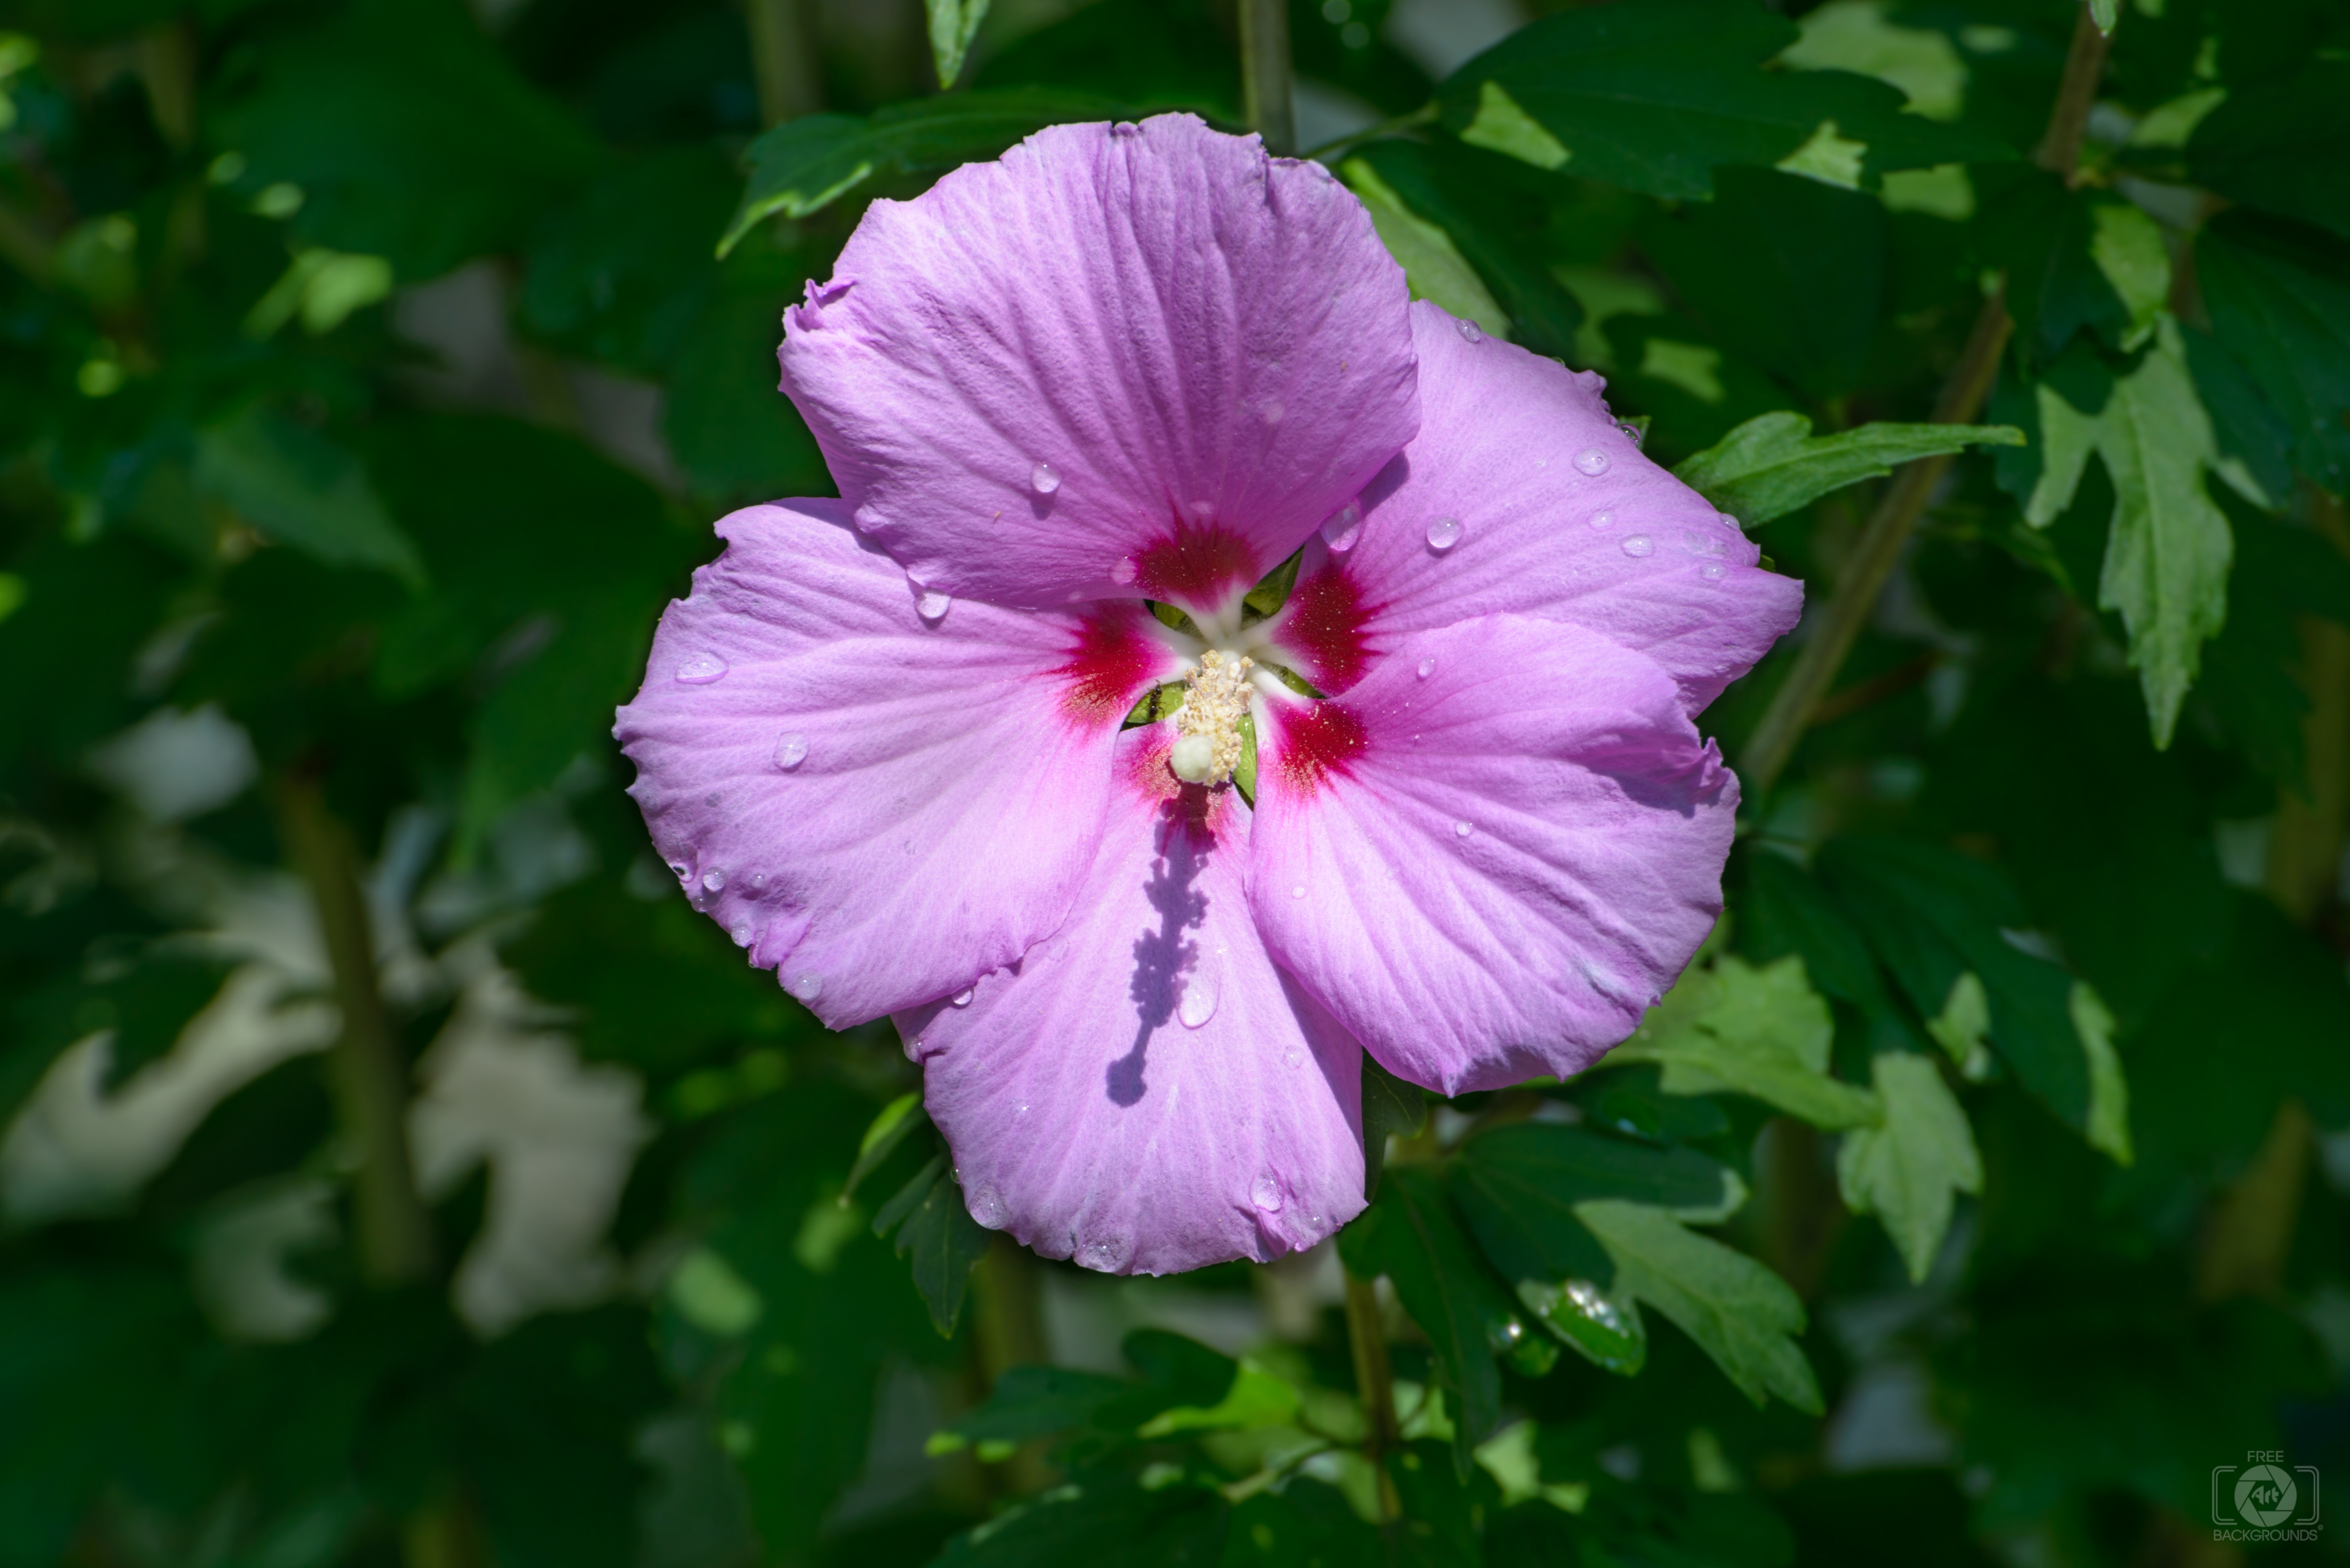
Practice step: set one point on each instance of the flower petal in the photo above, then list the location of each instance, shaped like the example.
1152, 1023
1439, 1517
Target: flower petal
1121, 361
1629, 552
881, 805
1146, 1092
1494, 851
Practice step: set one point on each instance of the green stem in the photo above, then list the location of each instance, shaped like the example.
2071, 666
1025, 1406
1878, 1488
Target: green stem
1267, 81
783, 60
2084, 64
369, 1077
1375, 1384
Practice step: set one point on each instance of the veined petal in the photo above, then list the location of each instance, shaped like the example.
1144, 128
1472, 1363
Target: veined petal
1146, 1092
1123, 360
1508, 446
1490, 856
878, 803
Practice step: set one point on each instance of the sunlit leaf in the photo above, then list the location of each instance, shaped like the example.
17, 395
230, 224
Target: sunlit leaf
1773, 465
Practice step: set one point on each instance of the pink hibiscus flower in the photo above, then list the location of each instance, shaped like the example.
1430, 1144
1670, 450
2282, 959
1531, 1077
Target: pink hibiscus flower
883, 742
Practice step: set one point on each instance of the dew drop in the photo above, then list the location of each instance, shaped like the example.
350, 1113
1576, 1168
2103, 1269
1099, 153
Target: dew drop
1293, 1057
1125, 128
1632, 433
1298, 891
1099, 1256
1342, 528
1199, 1003
1274, 411
1711, 571
1125, 571
1462, 829
1266, 1194
1698, 543
1426, 668
713, 879
1470, 330
1603, 519
1591, 461
962, 997
760, 880
791, 751
742, 935
702, 670
1045, 478
1443, 534
807, 985
1638, 544
933, 606
986, 1206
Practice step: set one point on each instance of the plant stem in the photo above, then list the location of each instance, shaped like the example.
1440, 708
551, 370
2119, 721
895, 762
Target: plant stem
1266, 80
1797, 703
2306, 840
2248, 1232
1008, 1331
1375, 1384
783, 60
1872, 561
370, 1079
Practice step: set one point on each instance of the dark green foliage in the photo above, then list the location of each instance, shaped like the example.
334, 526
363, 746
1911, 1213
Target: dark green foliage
370, 373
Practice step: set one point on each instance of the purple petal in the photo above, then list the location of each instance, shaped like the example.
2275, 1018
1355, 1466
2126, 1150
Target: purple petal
1629, 552
1509, 839
1121, 361
881, 805
1146, 1093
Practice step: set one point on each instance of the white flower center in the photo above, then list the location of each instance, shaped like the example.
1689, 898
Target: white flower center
1208, 726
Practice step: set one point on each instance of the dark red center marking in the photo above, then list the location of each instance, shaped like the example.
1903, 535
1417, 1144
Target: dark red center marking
1196, 565
1324, 628
1318, 741
1112, 663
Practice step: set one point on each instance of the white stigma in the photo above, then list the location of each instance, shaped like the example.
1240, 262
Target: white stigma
1208, 726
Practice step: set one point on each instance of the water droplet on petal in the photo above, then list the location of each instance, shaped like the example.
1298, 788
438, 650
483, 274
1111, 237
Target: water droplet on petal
760, 880
1698, 543
1711, 571
1426, 668
1102, 1257
1266, 1194
1638, 544
1274, 411
713, 878
1591, 461
1293, 1057
1342, 528
1470, 330
807, 985
1298, 891
1125, 571
962, 997
791, 751
1199, 1003
986, 1206
1443, 534
1463, 829
934, 606
1045, 478
1603, 519
1632, 433
702, 670
742, 935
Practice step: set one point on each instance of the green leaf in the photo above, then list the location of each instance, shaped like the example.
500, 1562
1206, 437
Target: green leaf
953, 24
301, 489
406, 134
1392, 1108
1654, 97
2169, 549
1518, 1186
1409, 1235
900, 1118
1099, 1517
2283, 147
2076, 260
803, 166
1760, 1031
1034, 1402
1739, 1313
1605, 1329
1773, 465
1906, 1170
1433, 265
938, 1233
2280, 305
